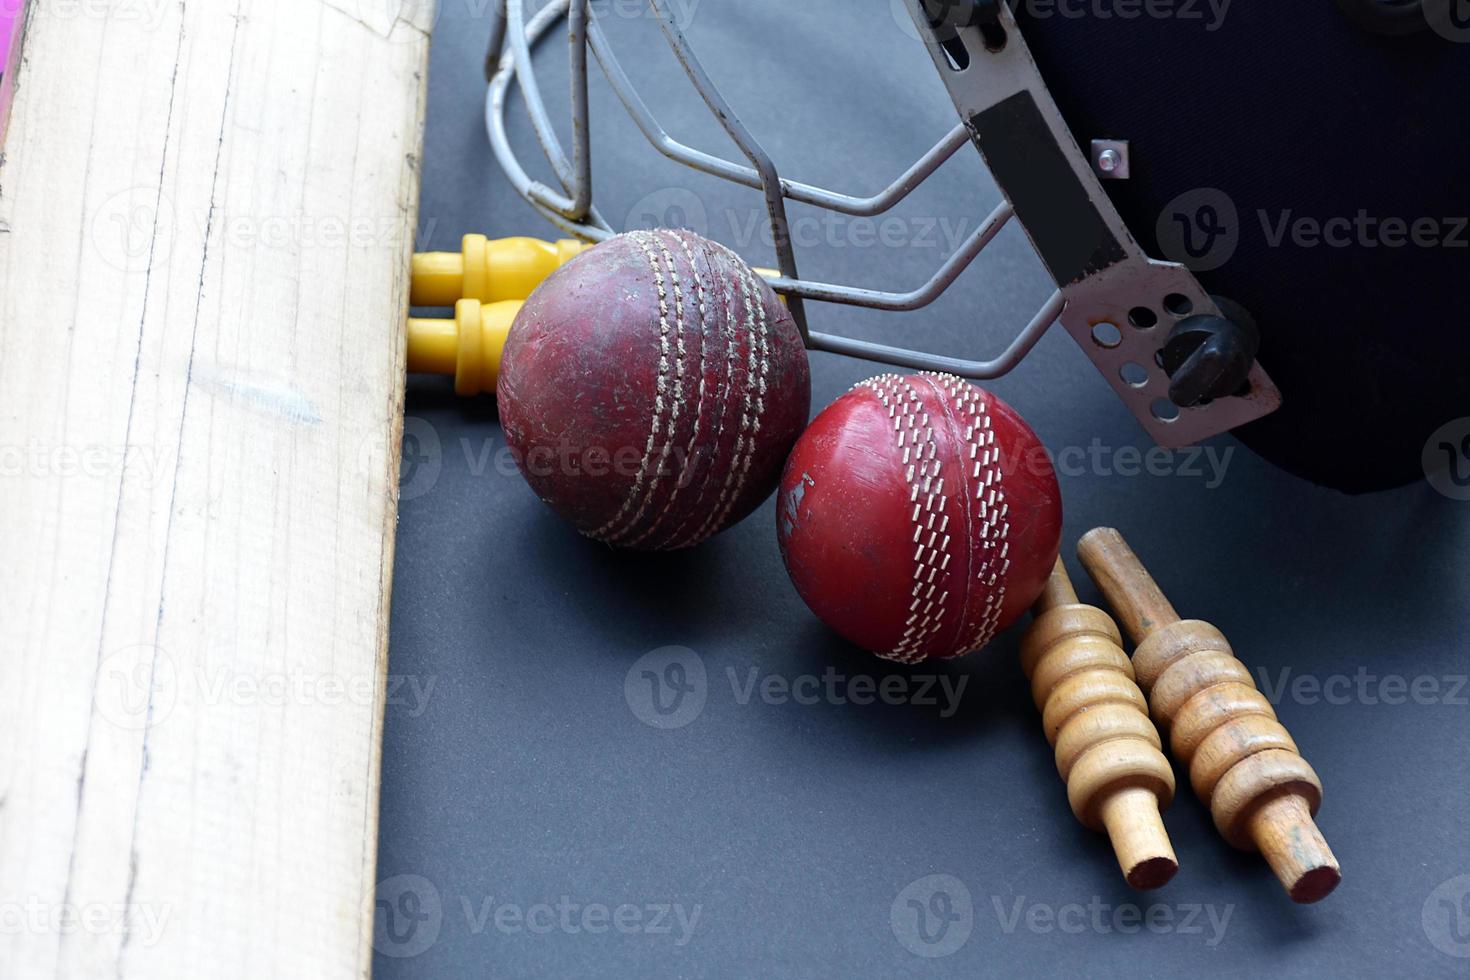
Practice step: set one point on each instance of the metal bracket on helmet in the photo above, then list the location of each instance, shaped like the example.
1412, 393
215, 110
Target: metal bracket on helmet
1120, 303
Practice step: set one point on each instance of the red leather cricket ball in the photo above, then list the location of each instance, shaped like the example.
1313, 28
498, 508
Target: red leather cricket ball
918, 516
651, 389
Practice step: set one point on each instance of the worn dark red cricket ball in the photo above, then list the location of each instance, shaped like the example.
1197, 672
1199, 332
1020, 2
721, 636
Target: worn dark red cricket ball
651, 389
918, 516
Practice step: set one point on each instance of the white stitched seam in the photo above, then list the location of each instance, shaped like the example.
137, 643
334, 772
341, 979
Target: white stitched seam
676, 406
914, 435
605, 532
752, 405
982, 459
727, 336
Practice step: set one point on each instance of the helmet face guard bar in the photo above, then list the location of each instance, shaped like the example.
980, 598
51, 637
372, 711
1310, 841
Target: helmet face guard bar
1116, 302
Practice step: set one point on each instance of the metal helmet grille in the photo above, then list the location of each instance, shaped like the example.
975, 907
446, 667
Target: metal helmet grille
998, 72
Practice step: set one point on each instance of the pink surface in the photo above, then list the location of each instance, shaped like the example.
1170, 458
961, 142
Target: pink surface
9, 17
9, 24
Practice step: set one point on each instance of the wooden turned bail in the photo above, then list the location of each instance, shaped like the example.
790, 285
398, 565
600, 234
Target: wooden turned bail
1107, 751
1242, 762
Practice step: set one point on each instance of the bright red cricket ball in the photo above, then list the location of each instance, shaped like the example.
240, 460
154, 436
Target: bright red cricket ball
651, 389
918, 516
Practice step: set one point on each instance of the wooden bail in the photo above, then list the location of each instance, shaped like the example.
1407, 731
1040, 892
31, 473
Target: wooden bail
1242, 762
1107, 751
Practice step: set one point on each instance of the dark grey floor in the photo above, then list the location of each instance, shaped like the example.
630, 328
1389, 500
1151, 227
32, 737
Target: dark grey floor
533, 823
